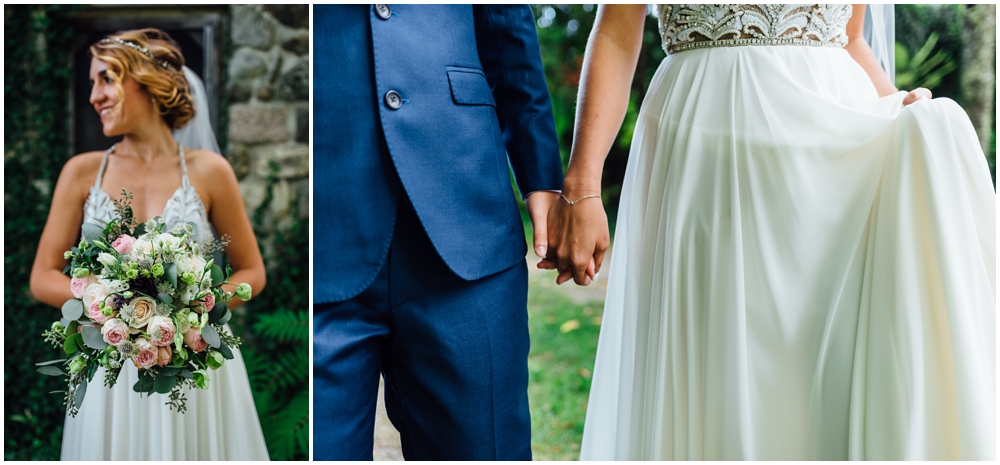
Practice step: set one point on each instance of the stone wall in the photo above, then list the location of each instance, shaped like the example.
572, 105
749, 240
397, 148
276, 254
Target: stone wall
267, 94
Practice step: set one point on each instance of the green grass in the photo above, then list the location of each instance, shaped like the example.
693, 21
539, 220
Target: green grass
563, 345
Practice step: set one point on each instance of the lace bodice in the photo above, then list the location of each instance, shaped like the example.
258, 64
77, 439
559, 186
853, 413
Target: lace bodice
686, 27
185, 206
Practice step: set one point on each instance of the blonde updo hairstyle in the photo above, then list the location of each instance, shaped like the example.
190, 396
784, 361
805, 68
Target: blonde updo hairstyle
169, 87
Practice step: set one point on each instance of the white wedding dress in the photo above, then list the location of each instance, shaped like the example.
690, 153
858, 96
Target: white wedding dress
801, 270
120, 424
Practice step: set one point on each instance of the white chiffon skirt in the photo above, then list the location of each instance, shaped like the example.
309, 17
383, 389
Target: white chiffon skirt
801, 270
118, 424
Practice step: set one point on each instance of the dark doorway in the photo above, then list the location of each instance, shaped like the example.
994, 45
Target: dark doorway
200, 32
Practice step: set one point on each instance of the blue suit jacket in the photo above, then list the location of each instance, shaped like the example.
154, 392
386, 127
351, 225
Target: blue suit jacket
473, 102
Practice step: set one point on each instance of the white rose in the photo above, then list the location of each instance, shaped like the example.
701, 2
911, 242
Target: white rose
107, 259
191, 263
190, 292
142, 248
96, 292
168, 242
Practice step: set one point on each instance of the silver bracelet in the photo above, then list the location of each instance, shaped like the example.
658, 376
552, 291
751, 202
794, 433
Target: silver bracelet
573, 202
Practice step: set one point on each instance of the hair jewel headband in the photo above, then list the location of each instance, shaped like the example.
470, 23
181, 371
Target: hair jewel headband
143, 50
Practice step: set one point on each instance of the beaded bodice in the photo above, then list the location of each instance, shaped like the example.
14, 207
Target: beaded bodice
185, 206
686, 27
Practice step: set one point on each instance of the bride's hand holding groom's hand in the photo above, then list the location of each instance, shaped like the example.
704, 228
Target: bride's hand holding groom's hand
578, 237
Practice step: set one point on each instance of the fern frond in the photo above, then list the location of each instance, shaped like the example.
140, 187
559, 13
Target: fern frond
290, 368
288, 429
283, 325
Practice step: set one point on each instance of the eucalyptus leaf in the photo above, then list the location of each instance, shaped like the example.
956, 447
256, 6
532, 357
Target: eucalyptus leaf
170, 271
169, 371
72, 309
93, 338
51, 370
92, 232
92, 371
164, 383
50, 362
72, 344
186, 374
217, 312
165, 298
139, 230
225, 318
211, 336
81, 392
226, 352
217, 277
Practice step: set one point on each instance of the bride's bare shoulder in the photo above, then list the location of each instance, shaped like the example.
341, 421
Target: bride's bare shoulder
81, 169
206, 162
208, 167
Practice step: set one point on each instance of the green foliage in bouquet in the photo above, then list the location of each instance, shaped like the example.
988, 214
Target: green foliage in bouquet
145, 295
277, 357
36, 76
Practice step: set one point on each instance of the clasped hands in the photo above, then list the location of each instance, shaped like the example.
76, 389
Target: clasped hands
569, 238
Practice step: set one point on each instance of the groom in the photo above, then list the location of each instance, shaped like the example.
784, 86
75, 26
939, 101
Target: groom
418, 245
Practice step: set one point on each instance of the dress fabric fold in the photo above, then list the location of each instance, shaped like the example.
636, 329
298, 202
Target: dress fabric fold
801, 270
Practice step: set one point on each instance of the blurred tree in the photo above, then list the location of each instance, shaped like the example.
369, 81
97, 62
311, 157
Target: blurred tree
979, 77
915, 24
563, 31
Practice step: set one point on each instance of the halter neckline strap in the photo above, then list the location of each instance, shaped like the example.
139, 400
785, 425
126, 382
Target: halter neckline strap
104, 163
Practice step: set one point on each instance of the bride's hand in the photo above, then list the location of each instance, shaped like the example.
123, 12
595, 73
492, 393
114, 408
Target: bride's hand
578, 239
917, 94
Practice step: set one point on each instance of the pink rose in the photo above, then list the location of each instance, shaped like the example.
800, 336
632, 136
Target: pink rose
110, 302
78, 286
207, 302
192, 339
94, 312
147, 355
92, 295
161, 331
164, 355
115, 331
123, 244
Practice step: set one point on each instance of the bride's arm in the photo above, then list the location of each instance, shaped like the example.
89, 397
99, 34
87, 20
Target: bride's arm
62, 231
862, 53
581, 230
229, 216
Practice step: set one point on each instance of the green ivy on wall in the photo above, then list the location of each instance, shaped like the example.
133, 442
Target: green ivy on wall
36, 83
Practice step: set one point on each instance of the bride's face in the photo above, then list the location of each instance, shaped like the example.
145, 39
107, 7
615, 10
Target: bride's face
118, 115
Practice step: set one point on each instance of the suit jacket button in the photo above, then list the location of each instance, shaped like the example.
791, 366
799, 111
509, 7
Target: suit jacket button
393, 100
383, 11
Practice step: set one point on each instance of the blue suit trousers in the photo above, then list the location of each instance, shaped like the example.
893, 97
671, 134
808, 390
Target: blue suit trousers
453, 354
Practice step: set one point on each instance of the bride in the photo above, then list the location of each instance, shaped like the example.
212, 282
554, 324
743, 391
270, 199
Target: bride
805, 257
140, 87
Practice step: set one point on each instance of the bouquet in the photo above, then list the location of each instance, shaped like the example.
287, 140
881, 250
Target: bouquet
149, 296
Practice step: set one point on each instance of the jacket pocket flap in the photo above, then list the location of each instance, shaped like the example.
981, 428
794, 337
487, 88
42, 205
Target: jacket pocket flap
469, 87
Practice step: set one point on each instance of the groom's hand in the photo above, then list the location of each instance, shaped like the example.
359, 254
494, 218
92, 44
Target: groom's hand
538, 204
578, 239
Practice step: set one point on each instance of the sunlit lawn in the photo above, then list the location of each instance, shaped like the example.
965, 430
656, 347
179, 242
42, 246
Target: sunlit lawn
563, 344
